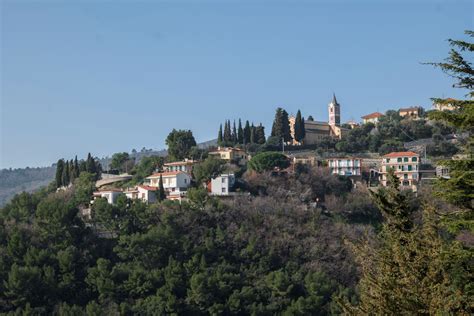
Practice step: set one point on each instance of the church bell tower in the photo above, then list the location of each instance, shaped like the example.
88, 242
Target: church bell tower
334, 112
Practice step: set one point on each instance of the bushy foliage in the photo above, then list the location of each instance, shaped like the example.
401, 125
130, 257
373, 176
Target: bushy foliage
268, 161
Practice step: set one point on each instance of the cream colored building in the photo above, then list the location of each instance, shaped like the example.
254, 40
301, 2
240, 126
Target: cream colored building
372, 118
412, 112
405, 165
315, 131
230, 154
445, 106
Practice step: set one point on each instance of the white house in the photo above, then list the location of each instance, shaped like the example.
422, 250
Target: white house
173, 181
186, 166
111, 195
143, 192
345, 166
223, 184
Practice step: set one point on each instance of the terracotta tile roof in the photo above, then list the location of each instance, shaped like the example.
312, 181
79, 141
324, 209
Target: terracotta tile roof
107, 190
372, 115
148, 188
165, 174
413, 108
400, 154
180, 163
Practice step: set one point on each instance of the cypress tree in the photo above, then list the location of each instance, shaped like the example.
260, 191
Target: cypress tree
76, 167
66, 178
247, 133
286, 126
298, 127
253, 137
310, 118
59, 173
240, 133
260, 134
219, 136
277, 124
227, 132
281, 125
234, 134
90, 165
161, 190
72, 172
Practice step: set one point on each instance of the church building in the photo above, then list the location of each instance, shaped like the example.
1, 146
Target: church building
318, 130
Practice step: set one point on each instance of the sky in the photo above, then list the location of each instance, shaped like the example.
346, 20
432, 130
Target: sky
110, 76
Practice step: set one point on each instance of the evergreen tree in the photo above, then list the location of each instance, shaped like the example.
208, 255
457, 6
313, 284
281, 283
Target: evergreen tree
234, 134
303, 129
310, 118
247, 133
72, 172
459, 188
220, 137
240, 133
180, 143
76, 168
281, 125
299, 127
407, 273
59, 173
227, 132
252, 134
66, 178
260, 134
161, 194
90, 164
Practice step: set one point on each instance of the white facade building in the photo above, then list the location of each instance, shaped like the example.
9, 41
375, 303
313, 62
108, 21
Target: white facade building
345, 166
174, 181
143, 192
223, 184
186, 166
111, 195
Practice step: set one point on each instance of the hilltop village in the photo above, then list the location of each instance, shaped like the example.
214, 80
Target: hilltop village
403, 140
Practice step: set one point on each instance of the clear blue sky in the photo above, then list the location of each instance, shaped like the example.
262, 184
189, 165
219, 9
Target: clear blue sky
107, 76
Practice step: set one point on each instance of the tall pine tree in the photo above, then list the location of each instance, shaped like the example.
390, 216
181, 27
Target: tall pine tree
240, 133
220, 137
59, 173
227, 132
260, 134
234, 134
161, 194
247, 133
299, 127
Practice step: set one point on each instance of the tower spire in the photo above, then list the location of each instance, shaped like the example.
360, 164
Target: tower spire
334, 98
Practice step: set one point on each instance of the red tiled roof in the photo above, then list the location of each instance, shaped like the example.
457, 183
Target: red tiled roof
165, 174
180, 163
400, 154
148, 188
413, 108
107, 190
372, 115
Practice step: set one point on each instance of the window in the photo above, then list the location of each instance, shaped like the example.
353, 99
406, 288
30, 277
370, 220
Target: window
387, 160
223, 180
185, 180
405, 176
413, 159
223, 190
399, 159
410, 167
405, 159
